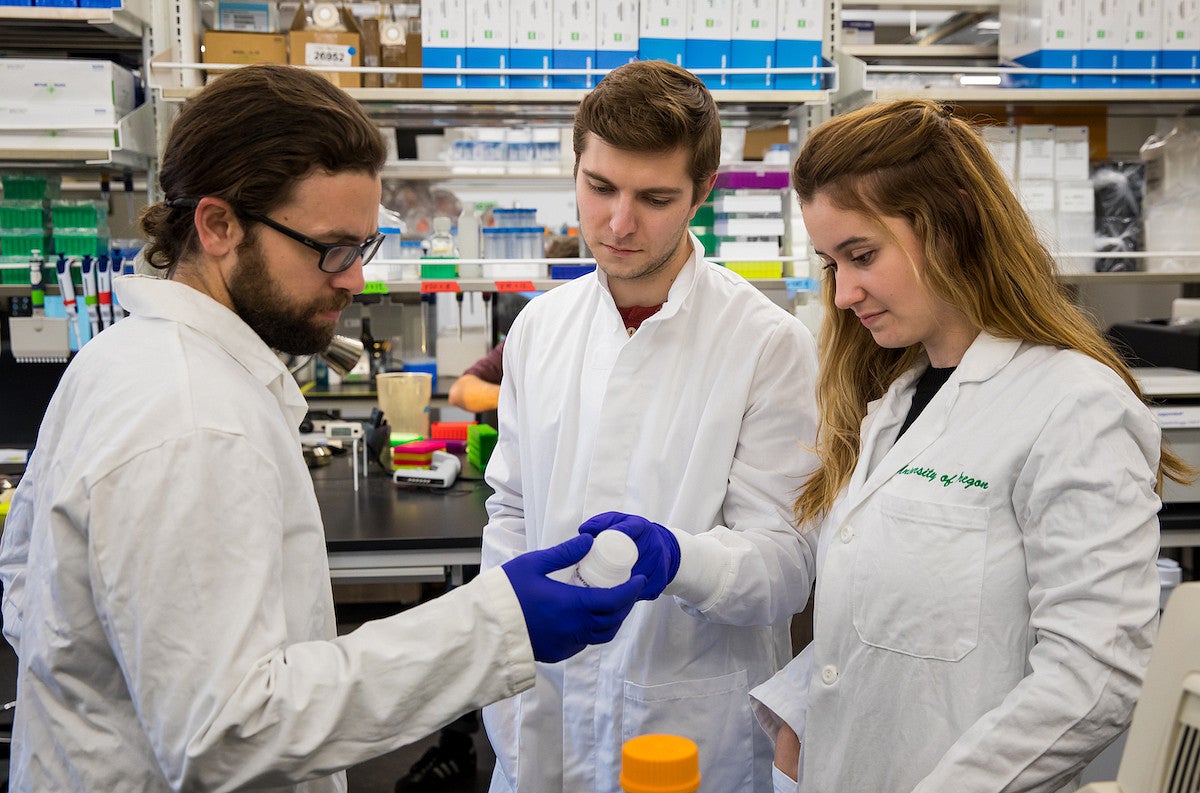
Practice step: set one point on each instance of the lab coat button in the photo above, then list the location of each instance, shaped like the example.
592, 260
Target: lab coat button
829, 674
847, 534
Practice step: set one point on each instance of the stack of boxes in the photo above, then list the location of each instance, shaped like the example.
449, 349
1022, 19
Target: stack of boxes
1048, 165
748, 208
38, 94
1127, 37
598, 36
23, 227
414, 454
247, 32
32, 217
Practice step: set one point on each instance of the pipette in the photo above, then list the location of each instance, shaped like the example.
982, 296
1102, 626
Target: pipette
104, 290
87, 271
67, 289
37, 292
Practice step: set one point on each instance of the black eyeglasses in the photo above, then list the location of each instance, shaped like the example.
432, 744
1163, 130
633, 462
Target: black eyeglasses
336, 257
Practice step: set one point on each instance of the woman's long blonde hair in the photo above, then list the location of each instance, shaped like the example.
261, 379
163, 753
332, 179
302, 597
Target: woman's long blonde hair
912, 159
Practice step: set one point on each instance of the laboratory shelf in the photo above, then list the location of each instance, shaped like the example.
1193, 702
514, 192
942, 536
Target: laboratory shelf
126, 22
553, 105
920, 51
509, 171
133, 143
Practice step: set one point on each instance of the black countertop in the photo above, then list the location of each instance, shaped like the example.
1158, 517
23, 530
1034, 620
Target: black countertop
384, 517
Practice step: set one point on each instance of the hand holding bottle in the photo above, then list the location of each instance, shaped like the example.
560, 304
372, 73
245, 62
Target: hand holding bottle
658, 550
563, 619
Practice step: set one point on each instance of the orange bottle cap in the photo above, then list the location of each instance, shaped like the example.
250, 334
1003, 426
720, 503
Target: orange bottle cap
660, 764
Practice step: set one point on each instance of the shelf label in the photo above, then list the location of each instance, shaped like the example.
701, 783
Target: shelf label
514, 286
375, 288
439, 286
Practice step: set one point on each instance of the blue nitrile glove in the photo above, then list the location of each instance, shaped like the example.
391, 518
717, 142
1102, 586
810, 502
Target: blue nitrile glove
658, 550
563, 619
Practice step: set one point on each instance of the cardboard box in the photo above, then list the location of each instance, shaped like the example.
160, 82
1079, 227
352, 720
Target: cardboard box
1181, 42
393, 51
46, 82
616, 33
706, 45
1143, 30
574, 36
444, 42
662, 30
798, 43
488, 43
224, 47
310, 47
1045, 34
530, 45
753, 43
371, 55
247, 16
1103, 35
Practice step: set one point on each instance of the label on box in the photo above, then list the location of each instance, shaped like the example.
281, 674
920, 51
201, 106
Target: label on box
1037, 195
514, 286
316, 54
375, 288
1073, 200
440, 286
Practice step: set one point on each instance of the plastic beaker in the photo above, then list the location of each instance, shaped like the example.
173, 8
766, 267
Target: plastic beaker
404, 400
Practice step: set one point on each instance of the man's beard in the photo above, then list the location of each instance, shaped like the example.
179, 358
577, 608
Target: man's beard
261, 303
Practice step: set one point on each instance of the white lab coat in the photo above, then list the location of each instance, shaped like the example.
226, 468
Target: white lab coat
167, 589
986, 597
699, 421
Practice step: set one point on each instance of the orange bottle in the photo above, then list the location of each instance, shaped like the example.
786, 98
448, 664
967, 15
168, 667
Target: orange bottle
660, 764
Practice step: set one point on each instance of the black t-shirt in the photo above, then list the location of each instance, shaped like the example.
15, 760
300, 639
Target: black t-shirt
927, 385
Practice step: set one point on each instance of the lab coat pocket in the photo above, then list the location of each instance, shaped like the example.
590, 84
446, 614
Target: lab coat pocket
918, 577
714, 712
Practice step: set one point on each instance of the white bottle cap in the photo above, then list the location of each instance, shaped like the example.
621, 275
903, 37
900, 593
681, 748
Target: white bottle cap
610, 560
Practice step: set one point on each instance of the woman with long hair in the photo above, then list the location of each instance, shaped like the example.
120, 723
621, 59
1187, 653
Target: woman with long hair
986, 498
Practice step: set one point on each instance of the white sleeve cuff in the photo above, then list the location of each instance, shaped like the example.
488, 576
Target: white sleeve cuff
783, 699
703, 574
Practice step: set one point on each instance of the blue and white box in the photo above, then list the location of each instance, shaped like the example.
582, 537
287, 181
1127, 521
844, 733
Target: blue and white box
530, 42
1042, 34
709, 30
662, 30
574, 42
753, 43
1181, 42
798, 43
444, 42
1143, 42
488, 42
1103, 36
616, 33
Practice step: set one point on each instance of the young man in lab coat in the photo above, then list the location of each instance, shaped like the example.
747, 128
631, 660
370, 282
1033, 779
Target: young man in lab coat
662, 385
165, 579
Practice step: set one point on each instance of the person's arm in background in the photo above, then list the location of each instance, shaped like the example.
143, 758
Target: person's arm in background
478, 389
474, 394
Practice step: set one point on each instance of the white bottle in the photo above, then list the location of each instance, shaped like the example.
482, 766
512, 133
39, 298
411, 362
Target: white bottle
441, 242
608, 563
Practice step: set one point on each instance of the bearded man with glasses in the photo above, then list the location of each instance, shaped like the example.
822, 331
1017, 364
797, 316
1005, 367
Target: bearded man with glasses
166, 584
